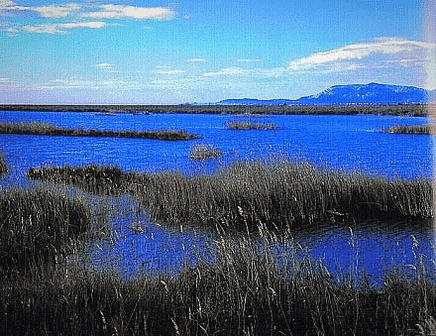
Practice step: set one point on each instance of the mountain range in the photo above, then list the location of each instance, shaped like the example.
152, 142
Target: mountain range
372, 93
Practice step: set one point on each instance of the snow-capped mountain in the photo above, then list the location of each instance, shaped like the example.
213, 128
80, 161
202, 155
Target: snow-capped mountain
372, 93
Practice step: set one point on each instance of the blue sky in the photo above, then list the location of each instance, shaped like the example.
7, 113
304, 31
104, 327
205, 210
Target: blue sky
156, 52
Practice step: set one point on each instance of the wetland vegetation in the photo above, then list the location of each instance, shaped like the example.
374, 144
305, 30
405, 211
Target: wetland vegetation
42, 128
408, 129
44, 289
205, 151
246, 291
249, 124
394, 109
280, 193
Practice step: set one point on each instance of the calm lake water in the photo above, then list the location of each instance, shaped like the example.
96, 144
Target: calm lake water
345, 142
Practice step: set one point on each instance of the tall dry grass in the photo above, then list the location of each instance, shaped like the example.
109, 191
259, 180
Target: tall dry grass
39, 226
281, 194
244, 292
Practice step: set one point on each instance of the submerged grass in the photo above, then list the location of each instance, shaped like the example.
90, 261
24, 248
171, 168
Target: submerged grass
282, 194
248, 124
40, 128
408, 129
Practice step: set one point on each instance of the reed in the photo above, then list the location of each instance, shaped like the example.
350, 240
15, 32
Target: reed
408, 129
40, 128
244, 292
282, 194
205, 151
38, 226
248, 124
3, 165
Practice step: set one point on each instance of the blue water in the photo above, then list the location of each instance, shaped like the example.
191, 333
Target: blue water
345, 142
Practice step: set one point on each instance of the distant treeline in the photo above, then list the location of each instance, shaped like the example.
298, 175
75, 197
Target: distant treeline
399, 109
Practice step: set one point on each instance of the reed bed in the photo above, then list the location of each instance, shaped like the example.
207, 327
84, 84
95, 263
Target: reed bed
249, 124
280, 193
243, 293
40, 128
205, 151
39, 226
408, 129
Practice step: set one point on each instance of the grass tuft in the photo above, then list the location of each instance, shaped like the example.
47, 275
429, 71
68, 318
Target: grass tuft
248, 124
205, 151
408, 129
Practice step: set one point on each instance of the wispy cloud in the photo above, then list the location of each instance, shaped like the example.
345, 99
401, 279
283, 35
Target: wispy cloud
387, 49
132, 12
226, 72
80, 16
62, 28
248, 60
56, 11
105, 66
196, 60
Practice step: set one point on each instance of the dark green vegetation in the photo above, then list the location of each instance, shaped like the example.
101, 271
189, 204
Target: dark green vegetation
205, 151
244, 291
280, 193
40, 128
408, 129
248, 124
400, 109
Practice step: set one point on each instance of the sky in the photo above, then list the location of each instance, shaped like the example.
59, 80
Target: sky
158, 52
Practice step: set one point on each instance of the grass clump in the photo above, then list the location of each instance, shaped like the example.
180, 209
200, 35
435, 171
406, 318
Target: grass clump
248, 124
38, 225
205, 151
40, 128
282, 194
408, 129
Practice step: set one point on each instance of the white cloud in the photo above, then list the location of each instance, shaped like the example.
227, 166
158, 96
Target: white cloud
53, 11
105, 66
121, 11
6, 3
196, 60
395, 48
226, 72
61, 28
247, 60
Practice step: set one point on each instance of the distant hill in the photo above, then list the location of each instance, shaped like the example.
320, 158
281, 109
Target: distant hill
372, 93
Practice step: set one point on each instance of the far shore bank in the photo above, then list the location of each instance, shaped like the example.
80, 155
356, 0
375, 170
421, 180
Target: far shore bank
417, 110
